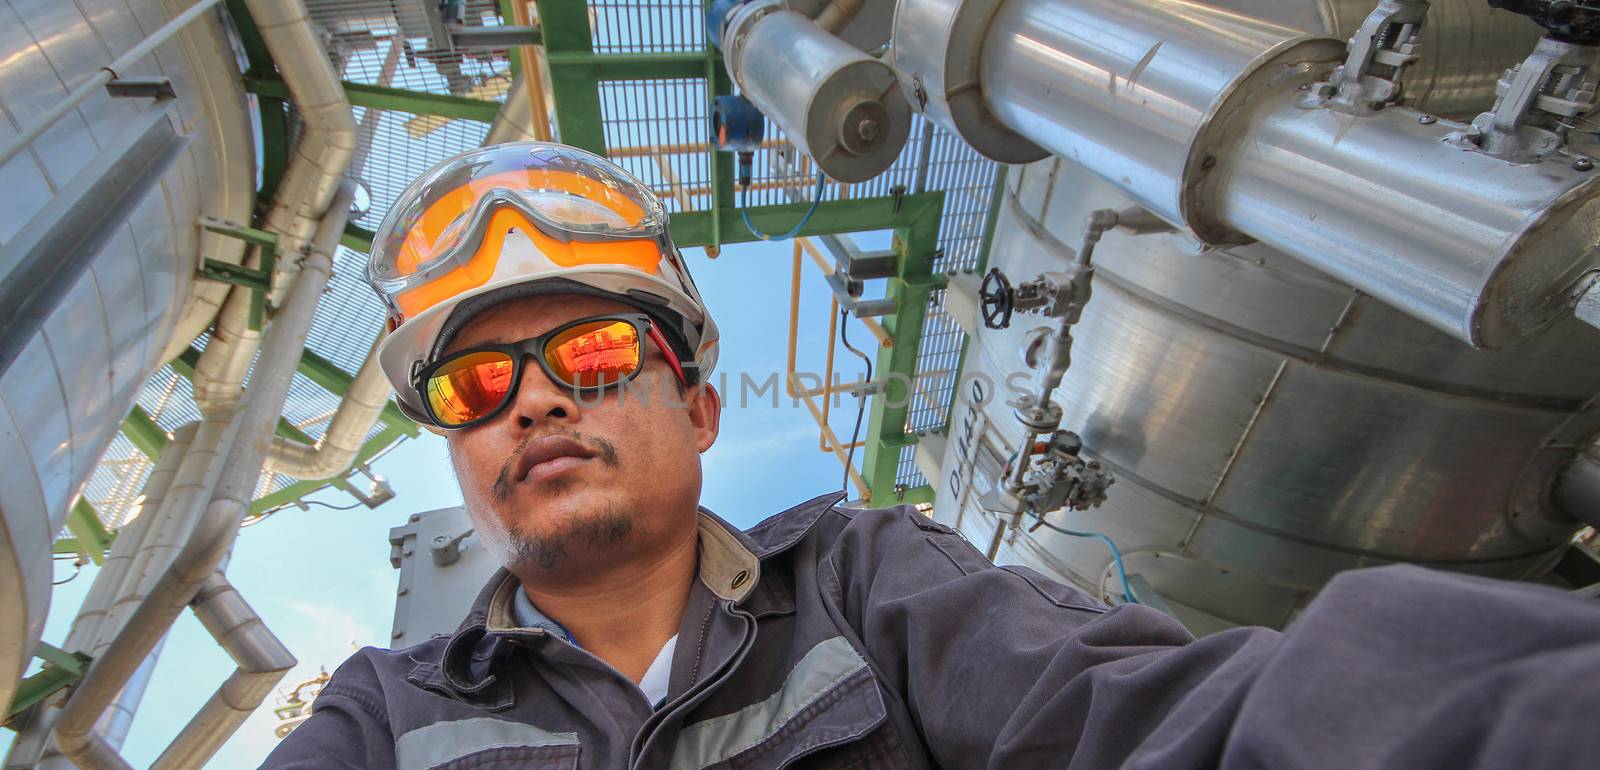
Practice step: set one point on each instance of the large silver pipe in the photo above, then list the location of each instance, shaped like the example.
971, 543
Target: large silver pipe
1200, 115
262, 661
1141, 93
514, 121
839, 106
359, 410
114, 576
321, 158
1487, 251
170, 525
235, 475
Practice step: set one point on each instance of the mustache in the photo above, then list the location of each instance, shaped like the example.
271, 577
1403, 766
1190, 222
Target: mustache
605, 452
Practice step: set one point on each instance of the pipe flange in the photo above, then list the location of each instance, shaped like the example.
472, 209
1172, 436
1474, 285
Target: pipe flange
937, 47
737, 31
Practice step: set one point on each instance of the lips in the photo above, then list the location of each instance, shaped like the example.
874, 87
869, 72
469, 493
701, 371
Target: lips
550, 454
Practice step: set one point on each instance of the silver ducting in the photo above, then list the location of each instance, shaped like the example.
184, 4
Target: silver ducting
216, 505
1488, 251
1205, 117
359, 410
320, 158
839, 106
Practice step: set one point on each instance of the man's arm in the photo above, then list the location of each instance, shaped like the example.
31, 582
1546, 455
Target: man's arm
347, 728
1397, 667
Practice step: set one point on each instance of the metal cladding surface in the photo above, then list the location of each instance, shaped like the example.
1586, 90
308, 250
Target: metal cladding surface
1267, 425
62, 401
1141, 93
937, 49
1466, 45
1202, 116
838, 105
1487, 251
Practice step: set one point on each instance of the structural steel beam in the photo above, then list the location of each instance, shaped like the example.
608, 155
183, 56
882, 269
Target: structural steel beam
90, 535
386, 98
358, 238
590, 66
848, 216
61, 669
146, 435
569, 52
915, 240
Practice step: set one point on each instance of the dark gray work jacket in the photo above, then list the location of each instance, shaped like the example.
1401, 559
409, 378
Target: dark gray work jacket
829, 637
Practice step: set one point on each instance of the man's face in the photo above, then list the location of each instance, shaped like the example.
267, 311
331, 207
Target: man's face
627, 478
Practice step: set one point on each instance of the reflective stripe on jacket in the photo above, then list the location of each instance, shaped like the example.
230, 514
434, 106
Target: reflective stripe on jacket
829, 637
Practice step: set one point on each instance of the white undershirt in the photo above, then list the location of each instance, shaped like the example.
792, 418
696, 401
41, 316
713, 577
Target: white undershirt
654, 683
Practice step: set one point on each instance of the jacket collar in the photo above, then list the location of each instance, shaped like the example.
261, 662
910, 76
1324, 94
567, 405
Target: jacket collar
730, 567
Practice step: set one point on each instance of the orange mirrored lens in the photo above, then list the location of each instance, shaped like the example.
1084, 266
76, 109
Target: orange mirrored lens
594, 354
470, 387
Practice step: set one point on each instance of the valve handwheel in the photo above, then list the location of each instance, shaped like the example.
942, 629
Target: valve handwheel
996, 299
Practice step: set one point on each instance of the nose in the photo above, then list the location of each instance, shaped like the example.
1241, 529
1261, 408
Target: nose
540, 400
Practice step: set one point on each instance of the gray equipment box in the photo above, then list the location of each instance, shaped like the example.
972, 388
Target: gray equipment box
442, 568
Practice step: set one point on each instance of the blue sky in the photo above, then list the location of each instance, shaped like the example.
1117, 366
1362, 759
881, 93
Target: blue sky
321, 578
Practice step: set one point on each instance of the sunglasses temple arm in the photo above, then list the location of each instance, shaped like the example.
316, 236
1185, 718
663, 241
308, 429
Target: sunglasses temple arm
672, 358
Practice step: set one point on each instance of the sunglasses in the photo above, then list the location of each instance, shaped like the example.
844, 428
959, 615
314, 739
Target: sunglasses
589, 355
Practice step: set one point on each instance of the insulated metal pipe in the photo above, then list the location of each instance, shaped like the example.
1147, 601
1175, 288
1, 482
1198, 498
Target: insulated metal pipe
839, 106
347, 431
1485, 250
262, 661
1203, 117
321, 158
114, 579
171, 522
235, 475
1141, 93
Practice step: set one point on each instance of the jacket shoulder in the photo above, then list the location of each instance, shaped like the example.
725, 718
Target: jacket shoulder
367, 677
823, 519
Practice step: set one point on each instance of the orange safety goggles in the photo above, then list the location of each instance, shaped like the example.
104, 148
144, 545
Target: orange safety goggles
447, 233
589, 355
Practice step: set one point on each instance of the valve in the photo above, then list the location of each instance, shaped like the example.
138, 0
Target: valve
996, 299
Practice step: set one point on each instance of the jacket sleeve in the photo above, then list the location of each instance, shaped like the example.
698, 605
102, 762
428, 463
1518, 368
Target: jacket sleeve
347, 727
1391, 667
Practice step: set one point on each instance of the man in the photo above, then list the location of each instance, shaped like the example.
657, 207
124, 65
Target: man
544, 323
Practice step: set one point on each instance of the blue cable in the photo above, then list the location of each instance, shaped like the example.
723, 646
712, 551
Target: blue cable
1116, 556
816, 197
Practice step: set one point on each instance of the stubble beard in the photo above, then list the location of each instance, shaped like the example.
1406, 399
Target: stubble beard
594, 532
519, 550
